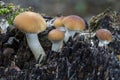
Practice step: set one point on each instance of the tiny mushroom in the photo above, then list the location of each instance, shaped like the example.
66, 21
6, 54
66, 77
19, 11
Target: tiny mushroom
58, 24
56, 37
31, 24
73, 24
104, 36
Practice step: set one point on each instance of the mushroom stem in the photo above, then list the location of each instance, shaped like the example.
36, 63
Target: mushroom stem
100, 44
57, 45
67, 35
72, 33
35, 46
103, 43
61, 29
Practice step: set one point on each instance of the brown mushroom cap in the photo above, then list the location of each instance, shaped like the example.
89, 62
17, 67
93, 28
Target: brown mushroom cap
30, 22
104, 34
58, 22
55, 35
74, 22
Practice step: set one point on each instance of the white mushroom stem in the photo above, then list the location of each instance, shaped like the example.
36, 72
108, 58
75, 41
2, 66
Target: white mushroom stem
103, 43
68, 34
35, 46
61, 29
72, 33
57, 45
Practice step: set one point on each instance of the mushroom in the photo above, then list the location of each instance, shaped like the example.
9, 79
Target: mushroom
58, 24
73, 24
104, 36
31, 24
56, 37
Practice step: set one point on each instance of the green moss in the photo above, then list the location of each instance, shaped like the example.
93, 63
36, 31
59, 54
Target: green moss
9, 11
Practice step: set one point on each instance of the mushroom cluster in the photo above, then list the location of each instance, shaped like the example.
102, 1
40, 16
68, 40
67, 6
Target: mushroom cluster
32, 23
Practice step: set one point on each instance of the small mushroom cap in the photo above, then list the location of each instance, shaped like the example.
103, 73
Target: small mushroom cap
74, 22
30, 22
58, 22
56, 35
104, 34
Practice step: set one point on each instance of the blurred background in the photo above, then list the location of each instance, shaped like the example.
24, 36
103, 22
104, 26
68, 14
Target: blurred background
84, 8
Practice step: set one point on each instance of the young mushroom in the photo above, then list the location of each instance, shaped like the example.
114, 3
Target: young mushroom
73, 24
104, 36
58, 24
31, 24
56, 37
